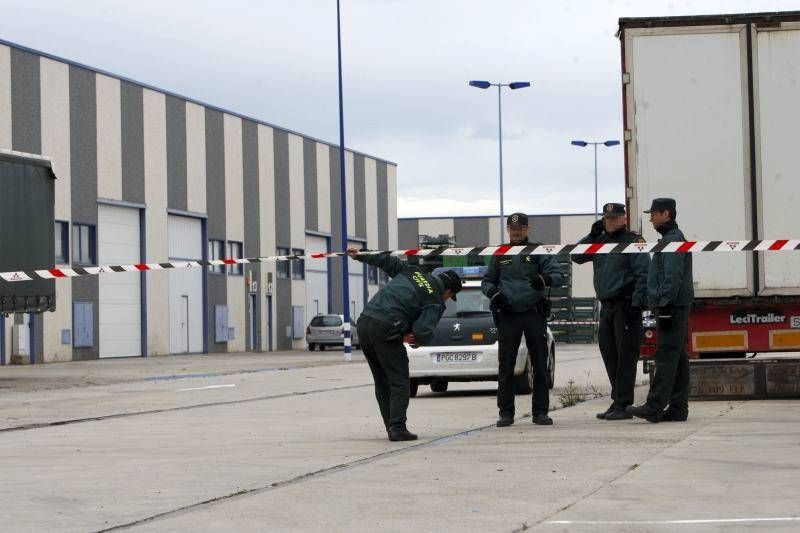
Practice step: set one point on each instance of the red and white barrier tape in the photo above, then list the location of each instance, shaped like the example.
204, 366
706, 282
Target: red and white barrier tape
479, 251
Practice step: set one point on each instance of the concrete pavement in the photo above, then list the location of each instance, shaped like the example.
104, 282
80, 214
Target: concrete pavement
303, 450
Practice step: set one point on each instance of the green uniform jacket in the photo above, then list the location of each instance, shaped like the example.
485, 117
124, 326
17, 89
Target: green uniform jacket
669, 280
412, 297
512, 276
618, 276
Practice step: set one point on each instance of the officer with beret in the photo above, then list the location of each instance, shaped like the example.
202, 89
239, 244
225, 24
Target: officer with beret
410, 306
620, 282
670, 292
515, 286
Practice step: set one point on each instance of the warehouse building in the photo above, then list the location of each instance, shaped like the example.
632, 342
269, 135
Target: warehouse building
145, 175
485, 231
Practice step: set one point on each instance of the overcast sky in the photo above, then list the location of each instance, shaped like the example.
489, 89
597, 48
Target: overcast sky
406, 67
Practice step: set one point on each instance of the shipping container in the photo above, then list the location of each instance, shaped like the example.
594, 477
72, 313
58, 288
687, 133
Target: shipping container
711, 114
27, 231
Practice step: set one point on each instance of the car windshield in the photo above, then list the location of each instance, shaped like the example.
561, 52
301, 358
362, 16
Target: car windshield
326, 321
471, 301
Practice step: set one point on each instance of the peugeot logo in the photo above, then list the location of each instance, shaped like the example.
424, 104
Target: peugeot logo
456, 327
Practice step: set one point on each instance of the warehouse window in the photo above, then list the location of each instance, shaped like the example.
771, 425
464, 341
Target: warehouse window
284, 267
298, 265
235, 252
62, 242
84, 245
215, 249
373, 274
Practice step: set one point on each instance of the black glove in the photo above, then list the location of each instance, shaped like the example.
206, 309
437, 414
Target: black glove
665, 317
497, 300
539, 282
597, 228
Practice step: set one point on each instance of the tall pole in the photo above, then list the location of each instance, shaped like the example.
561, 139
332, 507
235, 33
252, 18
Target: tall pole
348, 356
595, 181
500, 137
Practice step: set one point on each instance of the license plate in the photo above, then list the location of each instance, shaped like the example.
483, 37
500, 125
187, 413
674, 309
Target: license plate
457, 357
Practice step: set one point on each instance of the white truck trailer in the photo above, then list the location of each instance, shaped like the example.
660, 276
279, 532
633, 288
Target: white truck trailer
712, 119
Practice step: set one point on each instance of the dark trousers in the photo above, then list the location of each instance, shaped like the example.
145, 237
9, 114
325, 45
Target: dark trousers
388, 362
620, 338
670, 383
510, 328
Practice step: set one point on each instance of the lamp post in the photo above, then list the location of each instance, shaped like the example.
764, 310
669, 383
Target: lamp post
513, 86
583, 144
348, 351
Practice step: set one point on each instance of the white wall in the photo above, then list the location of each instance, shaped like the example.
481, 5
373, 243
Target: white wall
266, 190
155, 186
5, 97
234, 227
54, 82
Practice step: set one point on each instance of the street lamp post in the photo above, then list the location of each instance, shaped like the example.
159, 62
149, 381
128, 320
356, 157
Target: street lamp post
583, 144
345, 270
513, 86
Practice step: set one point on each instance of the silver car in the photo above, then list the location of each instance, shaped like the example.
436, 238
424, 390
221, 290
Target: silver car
328, 330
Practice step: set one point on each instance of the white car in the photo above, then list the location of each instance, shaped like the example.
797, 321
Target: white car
465, 346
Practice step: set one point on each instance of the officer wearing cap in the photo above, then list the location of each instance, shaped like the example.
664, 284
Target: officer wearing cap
620, 282
670, 292
409, 306
515, 286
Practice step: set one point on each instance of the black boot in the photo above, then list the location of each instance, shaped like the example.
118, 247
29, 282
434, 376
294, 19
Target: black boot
398, 434
618, 414
611, 409
505, 421
646, 412
542, 419
673, 416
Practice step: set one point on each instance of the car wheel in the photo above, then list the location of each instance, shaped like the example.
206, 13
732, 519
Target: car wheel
523, 384
551, 368
439, 386
311, 347
413, 389
321, 347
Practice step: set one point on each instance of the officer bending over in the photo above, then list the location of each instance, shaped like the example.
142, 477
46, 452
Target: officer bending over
515, 286
620, 281
410, 305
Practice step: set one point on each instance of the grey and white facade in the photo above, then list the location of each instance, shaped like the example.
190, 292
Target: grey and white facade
145, 175
485, 231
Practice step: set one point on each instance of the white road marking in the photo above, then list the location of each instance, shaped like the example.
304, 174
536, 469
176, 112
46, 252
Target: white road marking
209, 387
656, 522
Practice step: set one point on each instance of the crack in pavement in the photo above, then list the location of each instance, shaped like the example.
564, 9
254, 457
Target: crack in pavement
41, 425
308, 476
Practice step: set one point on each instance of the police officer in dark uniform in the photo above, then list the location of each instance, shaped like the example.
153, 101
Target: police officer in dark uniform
516, 287
670, 292
409, 306
620, 281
